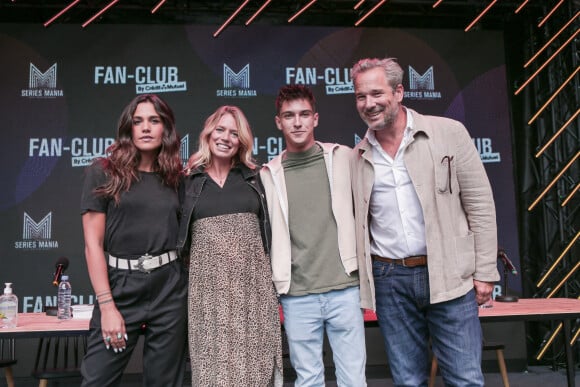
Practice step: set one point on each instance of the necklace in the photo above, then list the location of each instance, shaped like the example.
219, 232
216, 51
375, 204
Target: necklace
220, 180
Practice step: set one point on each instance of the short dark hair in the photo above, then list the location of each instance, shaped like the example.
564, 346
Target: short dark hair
294, 92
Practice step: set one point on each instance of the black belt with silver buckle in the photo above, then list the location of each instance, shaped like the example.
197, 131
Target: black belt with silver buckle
416, 260
145, 263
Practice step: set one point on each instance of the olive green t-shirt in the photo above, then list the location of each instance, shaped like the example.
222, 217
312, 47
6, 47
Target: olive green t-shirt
316, 263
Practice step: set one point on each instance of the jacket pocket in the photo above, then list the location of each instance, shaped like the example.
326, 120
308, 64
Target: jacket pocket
465, 256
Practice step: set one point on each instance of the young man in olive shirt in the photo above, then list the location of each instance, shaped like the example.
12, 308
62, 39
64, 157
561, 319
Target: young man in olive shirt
313, 254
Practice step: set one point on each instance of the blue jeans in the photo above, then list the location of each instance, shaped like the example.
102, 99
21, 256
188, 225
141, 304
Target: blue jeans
305, 319
408, 321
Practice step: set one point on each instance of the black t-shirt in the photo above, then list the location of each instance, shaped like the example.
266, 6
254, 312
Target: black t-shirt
236, 196
144, 221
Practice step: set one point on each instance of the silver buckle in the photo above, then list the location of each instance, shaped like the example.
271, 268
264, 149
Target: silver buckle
142, 259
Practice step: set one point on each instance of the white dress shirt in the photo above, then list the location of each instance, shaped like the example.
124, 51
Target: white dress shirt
397, 226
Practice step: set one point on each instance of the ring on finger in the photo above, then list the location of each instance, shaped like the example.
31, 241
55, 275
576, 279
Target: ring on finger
108, 339
119, 335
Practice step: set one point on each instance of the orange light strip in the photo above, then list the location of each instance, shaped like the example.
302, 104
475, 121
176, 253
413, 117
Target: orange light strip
480, 15
546, 62
357, 5
551, 40
251, 19
564, 280
301, 11
571, 195
102, 11
522, 5
65, 9
545, 19
554, 181
575, 337
557, 261
553, 96
549, 342
558, 133
156, 8
373, 9
233, 15
436, 4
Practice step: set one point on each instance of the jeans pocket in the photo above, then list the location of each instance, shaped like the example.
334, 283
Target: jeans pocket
381, 269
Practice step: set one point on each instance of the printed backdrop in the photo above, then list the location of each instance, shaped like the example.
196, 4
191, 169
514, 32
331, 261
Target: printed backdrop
63, 90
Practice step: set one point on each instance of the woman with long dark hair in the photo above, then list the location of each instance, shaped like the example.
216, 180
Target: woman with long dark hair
130, 220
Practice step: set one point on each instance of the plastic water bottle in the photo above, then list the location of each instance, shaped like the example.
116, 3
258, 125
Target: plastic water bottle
8, 308
64, 293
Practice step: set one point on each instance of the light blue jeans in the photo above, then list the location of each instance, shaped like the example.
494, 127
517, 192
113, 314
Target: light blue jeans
407, 321
305, 320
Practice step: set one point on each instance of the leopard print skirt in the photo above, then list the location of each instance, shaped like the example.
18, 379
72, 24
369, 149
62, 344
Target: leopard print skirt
234, 323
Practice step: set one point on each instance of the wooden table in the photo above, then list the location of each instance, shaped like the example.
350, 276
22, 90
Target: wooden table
32, 325
537, 309
47, 328
526, 309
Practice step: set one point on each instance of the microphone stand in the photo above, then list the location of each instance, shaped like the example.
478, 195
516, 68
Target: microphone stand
506, 298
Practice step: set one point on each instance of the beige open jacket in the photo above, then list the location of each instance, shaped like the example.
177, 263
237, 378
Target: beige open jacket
460, 224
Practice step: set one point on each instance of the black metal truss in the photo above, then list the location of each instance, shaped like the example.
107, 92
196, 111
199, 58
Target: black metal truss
548, 229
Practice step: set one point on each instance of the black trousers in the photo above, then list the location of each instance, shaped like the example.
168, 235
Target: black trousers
156, 301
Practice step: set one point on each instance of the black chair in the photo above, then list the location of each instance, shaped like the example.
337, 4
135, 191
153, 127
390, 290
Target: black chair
59, 357
8, 359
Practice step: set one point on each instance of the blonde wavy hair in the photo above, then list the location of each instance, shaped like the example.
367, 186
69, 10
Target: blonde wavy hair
203, 157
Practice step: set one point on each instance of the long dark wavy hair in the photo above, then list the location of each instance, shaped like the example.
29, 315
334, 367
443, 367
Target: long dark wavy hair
123, 157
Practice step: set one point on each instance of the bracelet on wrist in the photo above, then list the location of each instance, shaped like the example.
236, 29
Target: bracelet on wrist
103, 293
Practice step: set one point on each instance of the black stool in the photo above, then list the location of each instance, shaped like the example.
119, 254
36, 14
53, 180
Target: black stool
59, 357
8, 359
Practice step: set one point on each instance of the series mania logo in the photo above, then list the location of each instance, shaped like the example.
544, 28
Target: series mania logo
36, 235
42, 84
422, 86
236, 84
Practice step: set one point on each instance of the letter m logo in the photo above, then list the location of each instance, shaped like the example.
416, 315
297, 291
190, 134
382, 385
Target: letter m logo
240, 80
40, 230
38, 79
421, 82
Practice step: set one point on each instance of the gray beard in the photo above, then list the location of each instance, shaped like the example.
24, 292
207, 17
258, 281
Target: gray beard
386, 123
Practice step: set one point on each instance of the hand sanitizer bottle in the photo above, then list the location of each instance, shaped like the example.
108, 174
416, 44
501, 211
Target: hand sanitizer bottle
8, 308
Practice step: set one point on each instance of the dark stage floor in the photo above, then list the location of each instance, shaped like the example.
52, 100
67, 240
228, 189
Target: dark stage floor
537, 376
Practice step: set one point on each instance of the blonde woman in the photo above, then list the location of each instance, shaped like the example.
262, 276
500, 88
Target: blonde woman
234, 324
